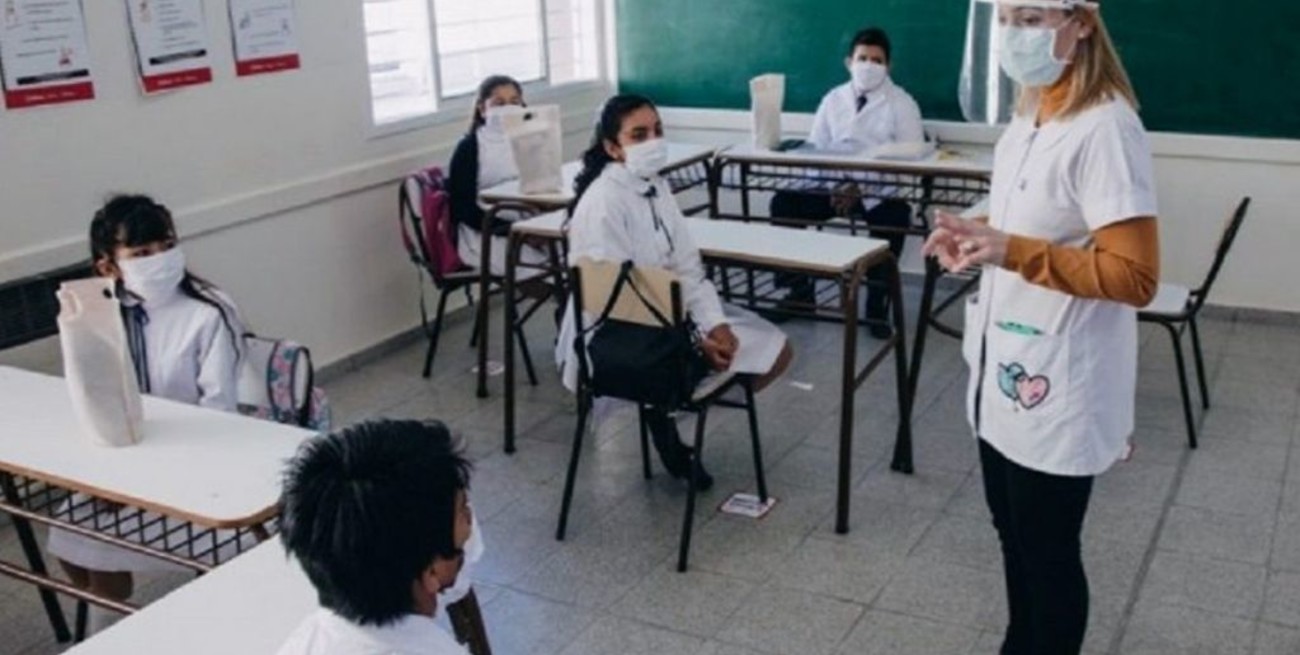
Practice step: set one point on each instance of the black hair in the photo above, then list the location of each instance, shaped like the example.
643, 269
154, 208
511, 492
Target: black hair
485, 88
367, 509
128, 220
872, 36
608, 126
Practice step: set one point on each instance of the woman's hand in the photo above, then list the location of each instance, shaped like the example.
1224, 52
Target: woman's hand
719, 346
960, 243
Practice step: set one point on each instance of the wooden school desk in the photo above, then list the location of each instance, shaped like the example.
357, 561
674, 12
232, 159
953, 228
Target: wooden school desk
945, 178
249, 606
211, 479
689, 167
840, 258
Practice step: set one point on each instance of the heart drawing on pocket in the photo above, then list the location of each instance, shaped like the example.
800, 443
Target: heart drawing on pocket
1032, 390
1028, 391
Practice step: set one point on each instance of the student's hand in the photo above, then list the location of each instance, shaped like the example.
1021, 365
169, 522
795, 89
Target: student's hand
845, 197
961, 243
719, 346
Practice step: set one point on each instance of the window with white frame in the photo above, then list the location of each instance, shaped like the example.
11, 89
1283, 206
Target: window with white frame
424, 52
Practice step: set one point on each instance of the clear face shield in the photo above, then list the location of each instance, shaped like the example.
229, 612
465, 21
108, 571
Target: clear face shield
987, 93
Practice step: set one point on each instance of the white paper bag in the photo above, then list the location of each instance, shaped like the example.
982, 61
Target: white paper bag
767, 96
537, 143
97, 362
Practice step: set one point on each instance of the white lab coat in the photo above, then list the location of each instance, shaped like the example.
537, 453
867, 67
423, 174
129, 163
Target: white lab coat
620, 219
891, 115
326, 633
1053, 376
192, 359
496, 164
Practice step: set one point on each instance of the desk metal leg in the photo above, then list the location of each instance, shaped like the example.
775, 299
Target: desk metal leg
513, 248
848, 385
466, 620
902, 461
923, 317
32, 551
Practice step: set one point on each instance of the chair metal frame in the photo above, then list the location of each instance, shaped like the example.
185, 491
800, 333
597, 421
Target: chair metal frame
1185, 321
698, 406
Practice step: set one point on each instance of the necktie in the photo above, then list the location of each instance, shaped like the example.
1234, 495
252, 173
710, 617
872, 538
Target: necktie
862, 101
135, 318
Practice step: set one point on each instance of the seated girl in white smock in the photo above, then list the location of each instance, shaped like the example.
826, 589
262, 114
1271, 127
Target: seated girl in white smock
626, 211
184, 335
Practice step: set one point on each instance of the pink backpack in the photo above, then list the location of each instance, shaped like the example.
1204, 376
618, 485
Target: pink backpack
429, 234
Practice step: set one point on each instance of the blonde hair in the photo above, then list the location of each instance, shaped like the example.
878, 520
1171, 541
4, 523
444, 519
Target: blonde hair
1096, 74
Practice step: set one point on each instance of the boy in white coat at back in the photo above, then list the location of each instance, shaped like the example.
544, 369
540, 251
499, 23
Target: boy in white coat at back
858, 116
378, 519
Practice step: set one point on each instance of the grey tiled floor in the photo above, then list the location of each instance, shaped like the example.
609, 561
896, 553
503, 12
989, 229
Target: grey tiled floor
1187, 552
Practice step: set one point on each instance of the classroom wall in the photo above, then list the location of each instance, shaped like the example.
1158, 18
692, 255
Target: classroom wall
282, 191
1200, 179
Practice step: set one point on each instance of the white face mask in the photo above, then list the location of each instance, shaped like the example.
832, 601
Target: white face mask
868, 75
647, 158
155, 277
1028, 56
459, 588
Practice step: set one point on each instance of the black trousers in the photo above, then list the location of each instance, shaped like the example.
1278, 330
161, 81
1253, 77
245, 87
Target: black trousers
817, 207
1039, 517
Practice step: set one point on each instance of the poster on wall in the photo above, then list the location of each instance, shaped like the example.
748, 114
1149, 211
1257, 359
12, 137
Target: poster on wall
43, 53
266, 36
171, 43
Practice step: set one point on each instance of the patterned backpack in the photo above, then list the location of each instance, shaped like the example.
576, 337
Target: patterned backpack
277, 384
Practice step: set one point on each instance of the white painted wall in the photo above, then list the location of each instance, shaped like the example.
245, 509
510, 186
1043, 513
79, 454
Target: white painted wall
1200, 179
283, 192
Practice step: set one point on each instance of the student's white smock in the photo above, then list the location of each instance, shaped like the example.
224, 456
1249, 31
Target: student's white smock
191, 359
623, 217
496, 164
1053, 376
326, 633
891, 115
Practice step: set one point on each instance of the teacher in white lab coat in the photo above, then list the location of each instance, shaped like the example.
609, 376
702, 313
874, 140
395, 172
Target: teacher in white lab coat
1069, 250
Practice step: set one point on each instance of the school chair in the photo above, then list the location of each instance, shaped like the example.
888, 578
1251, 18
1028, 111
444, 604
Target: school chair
1176, 307
652, 298
431, 245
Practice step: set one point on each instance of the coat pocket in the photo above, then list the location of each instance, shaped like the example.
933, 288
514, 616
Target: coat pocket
1026, 385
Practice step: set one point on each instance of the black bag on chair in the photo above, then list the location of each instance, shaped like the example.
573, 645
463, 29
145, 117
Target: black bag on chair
655, 365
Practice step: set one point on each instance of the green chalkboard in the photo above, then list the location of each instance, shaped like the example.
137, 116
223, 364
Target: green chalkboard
1199, 66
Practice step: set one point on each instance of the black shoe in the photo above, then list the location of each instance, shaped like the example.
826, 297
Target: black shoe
675, 456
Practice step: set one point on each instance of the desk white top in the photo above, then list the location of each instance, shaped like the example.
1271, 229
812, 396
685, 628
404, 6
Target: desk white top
209, 467
248, 605
805, 250
977, 162
679, 154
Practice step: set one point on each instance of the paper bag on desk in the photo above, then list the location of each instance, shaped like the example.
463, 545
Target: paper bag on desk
537, 143
97, 362
767, 95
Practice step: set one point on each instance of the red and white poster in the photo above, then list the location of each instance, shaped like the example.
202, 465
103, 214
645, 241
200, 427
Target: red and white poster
266, 36
43, 52
171, 43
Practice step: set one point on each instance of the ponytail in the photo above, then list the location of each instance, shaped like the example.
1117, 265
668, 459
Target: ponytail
610, 123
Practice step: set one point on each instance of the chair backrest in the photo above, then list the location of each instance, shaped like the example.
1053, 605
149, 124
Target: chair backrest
426, 226
640, 347
598, 279
1230, 228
